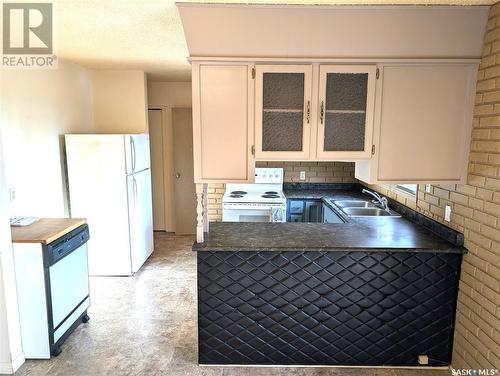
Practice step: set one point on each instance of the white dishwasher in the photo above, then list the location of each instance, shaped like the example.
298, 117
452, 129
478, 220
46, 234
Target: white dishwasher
53, 291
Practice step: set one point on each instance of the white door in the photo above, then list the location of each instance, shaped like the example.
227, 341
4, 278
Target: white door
137, 152
157, 168
140, 217
184, 187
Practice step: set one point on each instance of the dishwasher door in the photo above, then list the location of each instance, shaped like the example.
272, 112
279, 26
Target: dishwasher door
69, 284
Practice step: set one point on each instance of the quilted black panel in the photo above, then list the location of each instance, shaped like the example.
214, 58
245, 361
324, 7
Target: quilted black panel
330, 308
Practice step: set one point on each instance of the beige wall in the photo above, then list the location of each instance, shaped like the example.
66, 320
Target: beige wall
119, 101
169, 94
37, 108
476, 213
316, 172
165, 96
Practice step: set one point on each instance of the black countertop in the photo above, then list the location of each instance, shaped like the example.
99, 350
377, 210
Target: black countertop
359, 234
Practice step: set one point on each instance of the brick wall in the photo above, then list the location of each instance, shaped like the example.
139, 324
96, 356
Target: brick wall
476, 212
316, 172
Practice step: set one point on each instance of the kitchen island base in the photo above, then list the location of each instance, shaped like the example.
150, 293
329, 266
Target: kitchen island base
314, 307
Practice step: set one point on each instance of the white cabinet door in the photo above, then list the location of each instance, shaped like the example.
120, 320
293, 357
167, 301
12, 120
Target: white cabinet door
346, 106
423, 124
283, 112
222, 123
140, 217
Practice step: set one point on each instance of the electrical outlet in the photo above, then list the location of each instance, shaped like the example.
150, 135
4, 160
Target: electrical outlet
12, 194
302, 175
428, 188
423, 360
447, 213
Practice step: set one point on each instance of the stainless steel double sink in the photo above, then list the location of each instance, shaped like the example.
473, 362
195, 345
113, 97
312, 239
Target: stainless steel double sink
361, 208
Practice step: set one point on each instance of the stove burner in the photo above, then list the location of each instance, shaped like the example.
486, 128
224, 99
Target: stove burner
271, 193
270, 196
238, 193
235, 196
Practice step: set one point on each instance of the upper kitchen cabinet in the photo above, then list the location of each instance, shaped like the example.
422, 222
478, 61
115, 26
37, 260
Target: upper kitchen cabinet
423, 122
282, 111
346, 105
222, 122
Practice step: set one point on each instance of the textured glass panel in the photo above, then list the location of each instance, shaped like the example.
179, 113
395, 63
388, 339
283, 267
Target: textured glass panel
344, 132
282, 131
283, 91
346, 91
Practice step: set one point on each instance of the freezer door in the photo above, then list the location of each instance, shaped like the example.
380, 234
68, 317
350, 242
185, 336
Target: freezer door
140, 217
137, 152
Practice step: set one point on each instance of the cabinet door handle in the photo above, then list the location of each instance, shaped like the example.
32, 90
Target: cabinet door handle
322, 111
308, 112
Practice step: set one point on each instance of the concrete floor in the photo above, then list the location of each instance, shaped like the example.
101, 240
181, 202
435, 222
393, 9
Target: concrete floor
146, 325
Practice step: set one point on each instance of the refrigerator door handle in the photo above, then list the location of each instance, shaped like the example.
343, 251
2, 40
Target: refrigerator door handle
132, 150
134, 188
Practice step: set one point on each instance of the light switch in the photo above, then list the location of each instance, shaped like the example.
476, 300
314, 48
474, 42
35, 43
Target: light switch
447, 213
302, 175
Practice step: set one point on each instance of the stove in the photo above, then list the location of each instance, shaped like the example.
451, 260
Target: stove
263, 201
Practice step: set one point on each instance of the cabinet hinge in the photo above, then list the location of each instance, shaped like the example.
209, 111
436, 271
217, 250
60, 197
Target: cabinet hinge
253, 72
252, 149
377, 74
373, 149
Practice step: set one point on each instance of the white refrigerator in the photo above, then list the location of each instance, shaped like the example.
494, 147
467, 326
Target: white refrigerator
109, 179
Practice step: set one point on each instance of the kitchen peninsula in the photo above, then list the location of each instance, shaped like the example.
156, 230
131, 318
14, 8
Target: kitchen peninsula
371, 291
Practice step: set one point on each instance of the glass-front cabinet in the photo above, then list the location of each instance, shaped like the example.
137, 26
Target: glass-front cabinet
346, 107
330, 105
283, 111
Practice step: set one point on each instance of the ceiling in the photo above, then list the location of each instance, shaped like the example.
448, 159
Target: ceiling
147, 34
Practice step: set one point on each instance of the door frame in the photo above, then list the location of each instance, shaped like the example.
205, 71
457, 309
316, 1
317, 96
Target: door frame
164, 133
168, 162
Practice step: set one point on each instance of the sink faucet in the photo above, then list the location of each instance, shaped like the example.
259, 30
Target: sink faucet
380, 200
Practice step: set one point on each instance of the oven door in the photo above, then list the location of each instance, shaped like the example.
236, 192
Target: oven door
246, 215
253, 213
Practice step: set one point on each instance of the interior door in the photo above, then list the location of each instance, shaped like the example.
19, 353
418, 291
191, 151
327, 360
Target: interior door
283, 111
346, 111
157, 168
140, 217
184, 187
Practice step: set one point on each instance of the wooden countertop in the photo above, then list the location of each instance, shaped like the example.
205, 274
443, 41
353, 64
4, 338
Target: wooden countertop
45, 230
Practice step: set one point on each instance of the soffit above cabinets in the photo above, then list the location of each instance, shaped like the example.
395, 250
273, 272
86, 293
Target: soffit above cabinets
379, 32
